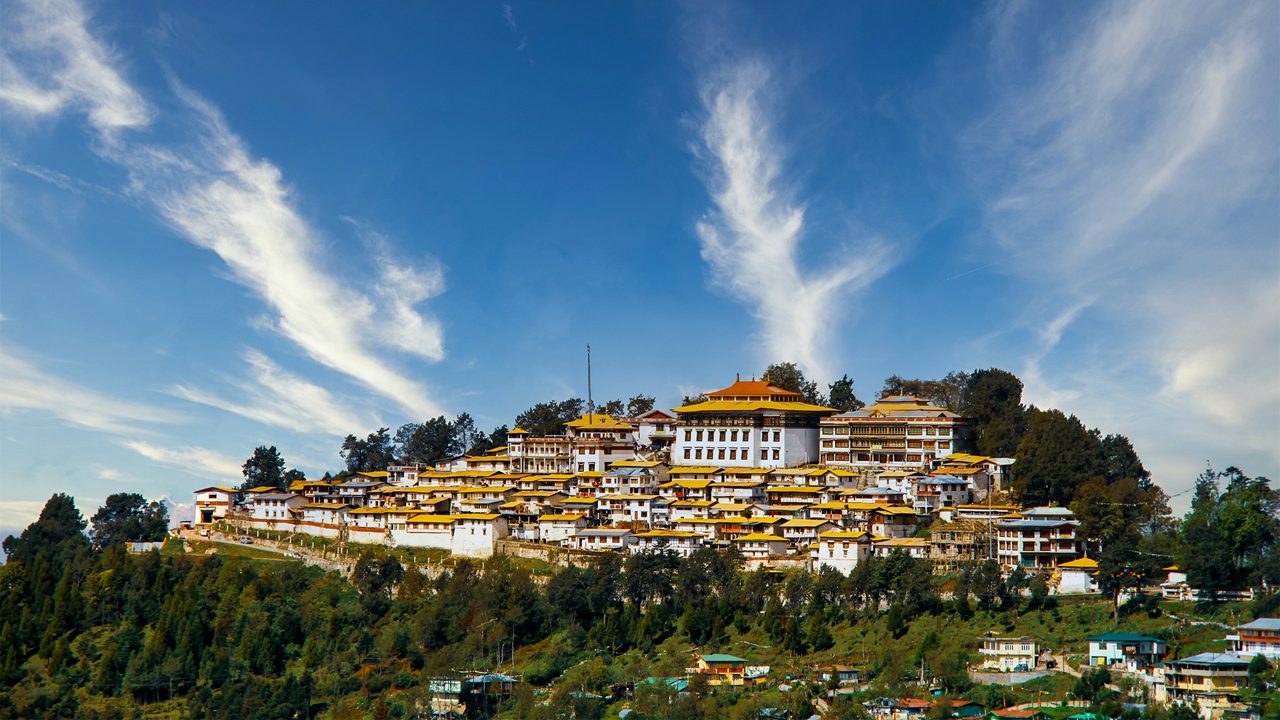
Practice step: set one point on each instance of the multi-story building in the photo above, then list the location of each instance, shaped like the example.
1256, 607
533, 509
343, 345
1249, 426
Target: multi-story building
1260, 637
213, 502
1132, 651
1042, 537
751, 423
634, 509
840, 550
675, 541
655, 429
538, 454
634, 476
1009, 654
275, 507
933, 493
898, 431
604, 538
956, 544
1211, 680
597, 440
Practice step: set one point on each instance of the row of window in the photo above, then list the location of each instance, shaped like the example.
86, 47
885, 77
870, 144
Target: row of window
719, 454
691, 435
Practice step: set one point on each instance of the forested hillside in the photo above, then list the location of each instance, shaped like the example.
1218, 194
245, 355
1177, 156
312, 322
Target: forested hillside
91, 632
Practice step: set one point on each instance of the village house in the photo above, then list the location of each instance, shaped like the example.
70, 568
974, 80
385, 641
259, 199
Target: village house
913, 547
1213, 681
1042, 537
647, 510
893, 521
722, 669
802, 531
597, 440
839, 550
326, 519
1260, 637
604, 538
558, 528
933, 493
641, 477
760, 546
958, 543
1009, 654
655, 429
213, 503
270, 508
675, 541
1130, 651
1076, 577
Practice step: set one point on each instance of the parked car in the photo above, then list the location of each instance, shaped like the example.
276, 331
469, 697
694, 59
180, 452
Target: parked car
246, 540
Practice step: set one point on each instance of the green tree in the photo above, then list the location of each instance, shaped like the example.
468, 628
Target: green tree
947, 392
1230, 535
59, 523
1055, 455
128, 517
789, 376
992, 400
265, 468
466, 437
639, 405
841, 397
374, 452
426, 442
548, 418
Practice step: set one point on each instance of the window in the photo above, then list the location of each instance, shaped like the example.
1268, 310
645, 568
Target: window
764, 453
688, 435
699, 435
721, 456
733, 453
777, 436
775, 453
697, 454
733, 435
723, 434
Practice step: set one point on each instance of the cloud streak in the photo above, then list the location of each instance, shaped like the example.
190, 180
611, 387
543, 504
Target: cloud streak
1130, 166
274, 396
751, 239
23, 386
193, 460
215, 193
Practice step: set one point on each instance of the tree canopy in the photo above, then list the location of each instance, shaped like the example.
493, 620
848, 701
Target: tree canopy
128, 517
265, 468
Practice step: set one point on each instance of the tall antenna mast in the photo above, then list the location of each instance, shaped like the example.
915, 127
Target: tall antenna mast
591, 406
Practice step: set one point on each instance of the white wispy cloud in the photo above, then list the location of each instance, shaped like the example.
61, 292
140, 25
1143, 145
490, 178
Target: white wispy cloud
1129, 164
274, 396
49, 61
110, 474
752, 238
24, 386
190, 459
218, 195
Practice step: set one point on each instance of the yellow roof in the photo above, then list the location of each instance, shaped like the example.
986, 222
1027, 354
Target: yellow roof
590, 474
799, 472
766, 520
482, 489
966, 458
536, 493
795, 489
668, 533
478, 516
903, 542
801, 522
495, 451
1083, 563
757, 537
747, 471
222, 488
629, 496
693, 503
599, 421
517, 431
830, 506
841, 472
486, 458
843, 534
753, 406
324, 506
374, 473
263, 489
895, 510
691, 484
636, 463
559, 518
429, 518
580, 501
694, 470
737, 483
368, 511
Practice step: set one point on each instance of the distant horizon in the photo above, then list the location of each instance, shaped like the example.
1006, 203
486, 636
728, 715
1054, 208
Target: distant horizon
241, 225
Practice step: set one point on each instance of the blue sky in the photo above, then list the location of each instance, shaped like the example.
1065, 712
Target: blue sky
233, 224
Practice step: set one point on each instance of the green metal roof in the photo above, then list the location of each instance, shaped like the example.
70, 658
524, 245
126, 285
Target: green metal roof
721, 657
1122, 637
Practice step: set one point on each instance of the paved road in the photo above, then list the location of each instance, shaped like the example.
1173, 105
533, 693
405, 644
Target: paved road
300, 553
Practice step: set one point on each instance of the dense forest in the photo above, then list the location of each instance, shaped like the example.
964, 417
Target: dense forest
92, 631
